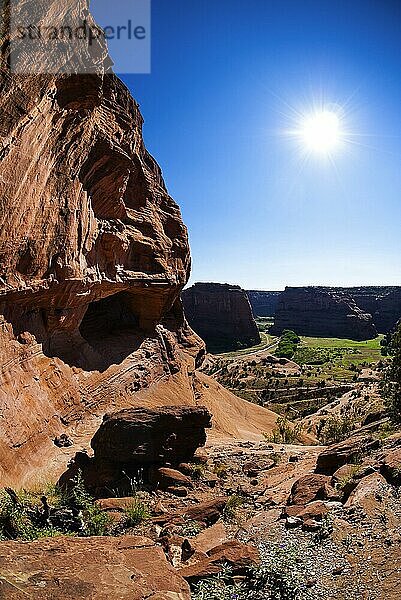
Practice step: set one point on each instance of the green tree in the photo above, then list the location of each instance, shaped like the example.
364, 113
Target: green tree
391, 386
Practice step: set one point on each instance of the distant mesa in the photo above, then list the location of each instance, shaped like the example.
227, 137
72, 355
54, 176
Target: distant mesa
322, 312
382, 303
222, 315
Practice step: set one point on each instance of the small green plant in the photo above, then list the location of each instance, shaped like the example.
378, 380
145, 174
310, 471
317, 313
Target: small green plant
275, 457
233, 504
385, 430
277, 578
94, 520
191, 528
221, 470
197, 471
219, 587
136, 512
343, 481
325, 530
284, 432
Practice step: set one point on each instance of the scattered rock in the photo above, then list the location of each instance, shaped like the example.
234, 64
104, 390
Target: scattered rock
210, 538
370, 494
391, 466
239, 557
165, 477
312, 487
206, 512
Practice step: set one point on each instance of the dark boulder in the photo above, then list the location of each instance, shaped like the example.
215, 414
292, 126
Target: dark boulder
152, 436
134, 443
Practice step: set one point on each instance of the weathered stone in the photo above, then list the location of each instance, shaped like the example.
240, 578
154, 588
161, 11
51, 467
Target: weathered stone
145, 436
165, 477
210, 538
343, 474
391, 466
348, 451
206, 512
104, 568
239, 557
370, 494
311, 487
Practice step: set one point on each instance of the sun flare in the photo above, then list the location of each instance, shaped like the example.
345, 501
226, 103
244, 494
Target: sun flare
321, 132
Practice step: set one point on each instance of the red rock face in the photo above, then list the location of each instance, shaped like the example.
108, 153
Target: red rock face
93, 256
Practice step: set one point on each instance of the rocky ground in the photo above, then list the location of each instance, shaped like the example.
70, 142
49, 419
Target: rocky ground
323, 523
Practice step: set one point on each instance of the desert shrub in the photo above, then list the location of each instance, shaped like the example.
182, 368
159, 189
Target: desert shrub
336, 428
284, 432
219, 587
277, 578
325, 530
137, 512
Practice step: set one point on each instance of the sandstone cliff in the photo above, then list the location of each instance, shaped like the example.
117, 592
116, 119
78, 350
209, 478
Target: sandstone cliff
94, 255
322, 312
222, 315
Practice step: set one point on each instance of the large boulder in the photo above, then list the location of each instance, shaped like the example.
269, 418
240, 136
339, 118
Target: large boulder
345, 452
391, 466
134, 442
104, 568
151, 436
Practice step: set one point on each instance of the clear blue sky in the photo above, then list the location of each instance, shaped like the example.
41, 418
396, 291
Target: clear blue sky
215, 106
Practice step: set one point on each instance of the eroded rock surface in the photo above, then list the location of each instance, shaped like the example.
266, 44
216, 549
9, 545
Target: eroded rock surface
103, 568
93, 255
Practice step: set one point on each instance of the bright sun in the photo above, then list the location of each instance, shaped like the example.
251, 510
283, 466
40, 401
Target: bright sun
321, 132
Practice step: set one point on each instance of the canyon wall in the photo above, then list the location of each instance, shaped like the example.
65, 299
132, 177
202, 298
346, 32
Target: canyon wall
382, 302
222, 315
322, 312
264, 304
93, 258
